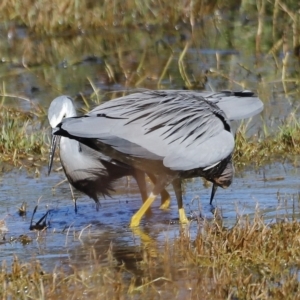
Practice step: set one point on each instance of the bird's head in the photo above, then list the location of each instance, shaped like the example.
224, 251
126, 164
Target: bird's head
60, 108
224, 180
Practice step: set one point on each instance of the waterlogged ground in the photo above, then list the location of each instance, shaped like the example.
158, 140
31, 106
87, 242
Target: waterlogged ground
223, 51
272, 189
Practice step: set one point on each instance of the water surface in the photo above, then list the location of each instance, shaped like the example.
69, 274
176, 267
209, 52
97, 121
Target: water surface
272, 189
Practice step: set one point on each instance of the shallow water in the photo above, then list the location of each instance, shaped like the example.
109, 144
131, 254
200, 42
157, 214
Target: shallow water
272, 189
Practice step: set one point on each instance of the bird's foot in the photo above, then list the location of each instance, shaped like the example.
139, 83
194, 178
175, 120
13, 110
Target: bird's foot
135, 221
165, 199
165, 204
136, 218
182, 216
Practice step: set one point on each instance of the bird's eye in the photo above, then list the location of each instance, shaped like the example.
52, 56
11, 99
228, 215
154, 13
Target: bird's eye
64, 116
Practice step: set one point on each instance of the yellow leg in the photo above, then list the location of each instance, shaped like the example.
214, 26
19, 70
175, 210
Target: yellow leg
136, 218
182, 217
165, 196
178, 192
165, 200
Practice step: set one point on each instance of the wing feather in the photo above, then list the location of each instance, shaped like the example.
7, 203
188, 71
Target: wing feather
179, 134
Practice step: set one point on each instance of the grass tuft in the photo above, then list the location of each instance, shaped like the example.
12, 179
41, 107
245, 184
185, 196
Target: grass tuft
284, 141
21, 135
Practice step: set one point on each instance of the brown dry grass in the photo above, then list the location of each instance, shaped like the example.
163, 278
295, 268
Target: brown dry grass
251, 260
77, 16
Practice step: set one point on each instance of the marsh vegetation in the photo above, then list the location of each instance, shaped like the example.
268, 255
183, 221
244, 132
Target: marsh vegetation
97, 50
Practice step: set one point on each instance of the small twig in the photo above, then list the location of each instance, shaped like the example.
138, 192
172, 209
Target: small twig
66, 243
146, 284
79, 237
15, 96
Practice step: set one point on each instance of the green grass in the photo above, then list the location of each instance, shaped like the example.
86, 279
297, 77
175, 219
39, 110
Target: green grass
284, 142
22, 138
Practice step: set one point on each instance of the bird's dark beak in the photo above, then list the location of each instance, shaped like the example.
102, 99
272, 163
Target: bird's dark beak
55, 139
213, 191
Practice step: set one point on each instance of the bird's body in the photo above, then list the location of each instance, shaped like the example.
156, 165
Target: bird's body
89, 171
86, 170
172, 134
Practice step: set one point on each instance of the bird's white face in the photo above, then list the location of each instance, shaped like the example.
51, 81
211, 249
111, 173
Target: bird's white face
56, 119
60, 108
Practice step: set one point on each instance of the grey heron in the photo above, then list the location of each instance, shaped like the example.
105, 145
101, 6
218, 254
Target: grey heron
171, 134
90, 171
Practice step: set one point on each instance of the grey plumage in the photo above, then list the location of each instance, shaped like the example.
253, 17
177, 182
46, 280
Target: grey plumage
89, 171
172, 134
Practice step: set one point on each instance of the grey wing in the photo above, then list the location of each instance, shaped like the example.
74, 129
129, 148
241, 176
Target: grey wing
189, 136
203, 155
98, 156
236, 105
93, 154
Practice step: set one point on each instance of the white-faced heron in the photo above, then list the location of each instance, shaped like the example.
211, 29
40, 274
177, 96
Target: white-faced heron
172, 134
90, 171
